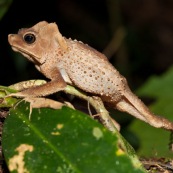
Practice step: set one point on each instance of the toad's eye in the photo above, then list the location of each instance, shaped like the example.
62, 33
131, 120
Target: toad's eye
29, 38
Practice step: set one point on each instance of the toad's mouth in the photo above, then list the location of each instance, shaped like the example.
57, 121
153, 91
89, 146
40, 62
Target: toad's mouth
28, 55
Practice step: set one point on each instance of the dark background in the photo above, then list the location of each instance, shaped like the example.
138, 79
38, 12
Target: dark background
147, 48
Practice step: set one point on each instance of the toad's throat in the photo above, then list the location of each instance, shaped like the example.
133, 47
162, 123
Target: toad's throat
28, 55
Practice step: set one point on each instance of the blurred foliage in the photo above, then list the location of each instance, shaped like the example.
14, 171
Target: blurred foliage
4, 5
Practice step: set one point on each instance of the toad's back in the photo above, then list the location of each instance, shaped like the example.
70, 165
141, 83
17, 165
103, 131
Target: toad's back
90, 70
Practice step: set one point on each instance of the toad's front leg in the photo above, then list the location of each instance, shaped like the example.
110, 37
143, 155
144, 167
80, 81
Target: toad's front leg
56, 84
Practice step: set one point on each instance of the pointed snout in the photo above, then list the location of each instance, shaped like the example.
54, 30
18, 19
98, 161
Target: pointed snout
11, 38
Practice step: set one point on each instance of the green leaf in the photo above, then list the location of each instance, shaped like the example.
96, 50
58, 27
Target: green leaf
7, 102
155, 141
63, 140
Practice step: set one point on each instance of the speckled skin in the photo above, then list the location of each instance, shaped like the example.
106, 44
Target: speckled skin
90, 71
65, 61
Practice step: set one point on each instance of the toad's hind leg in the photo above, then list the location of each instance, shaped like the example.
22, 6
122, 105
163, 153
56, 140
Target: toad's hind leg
134, 106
